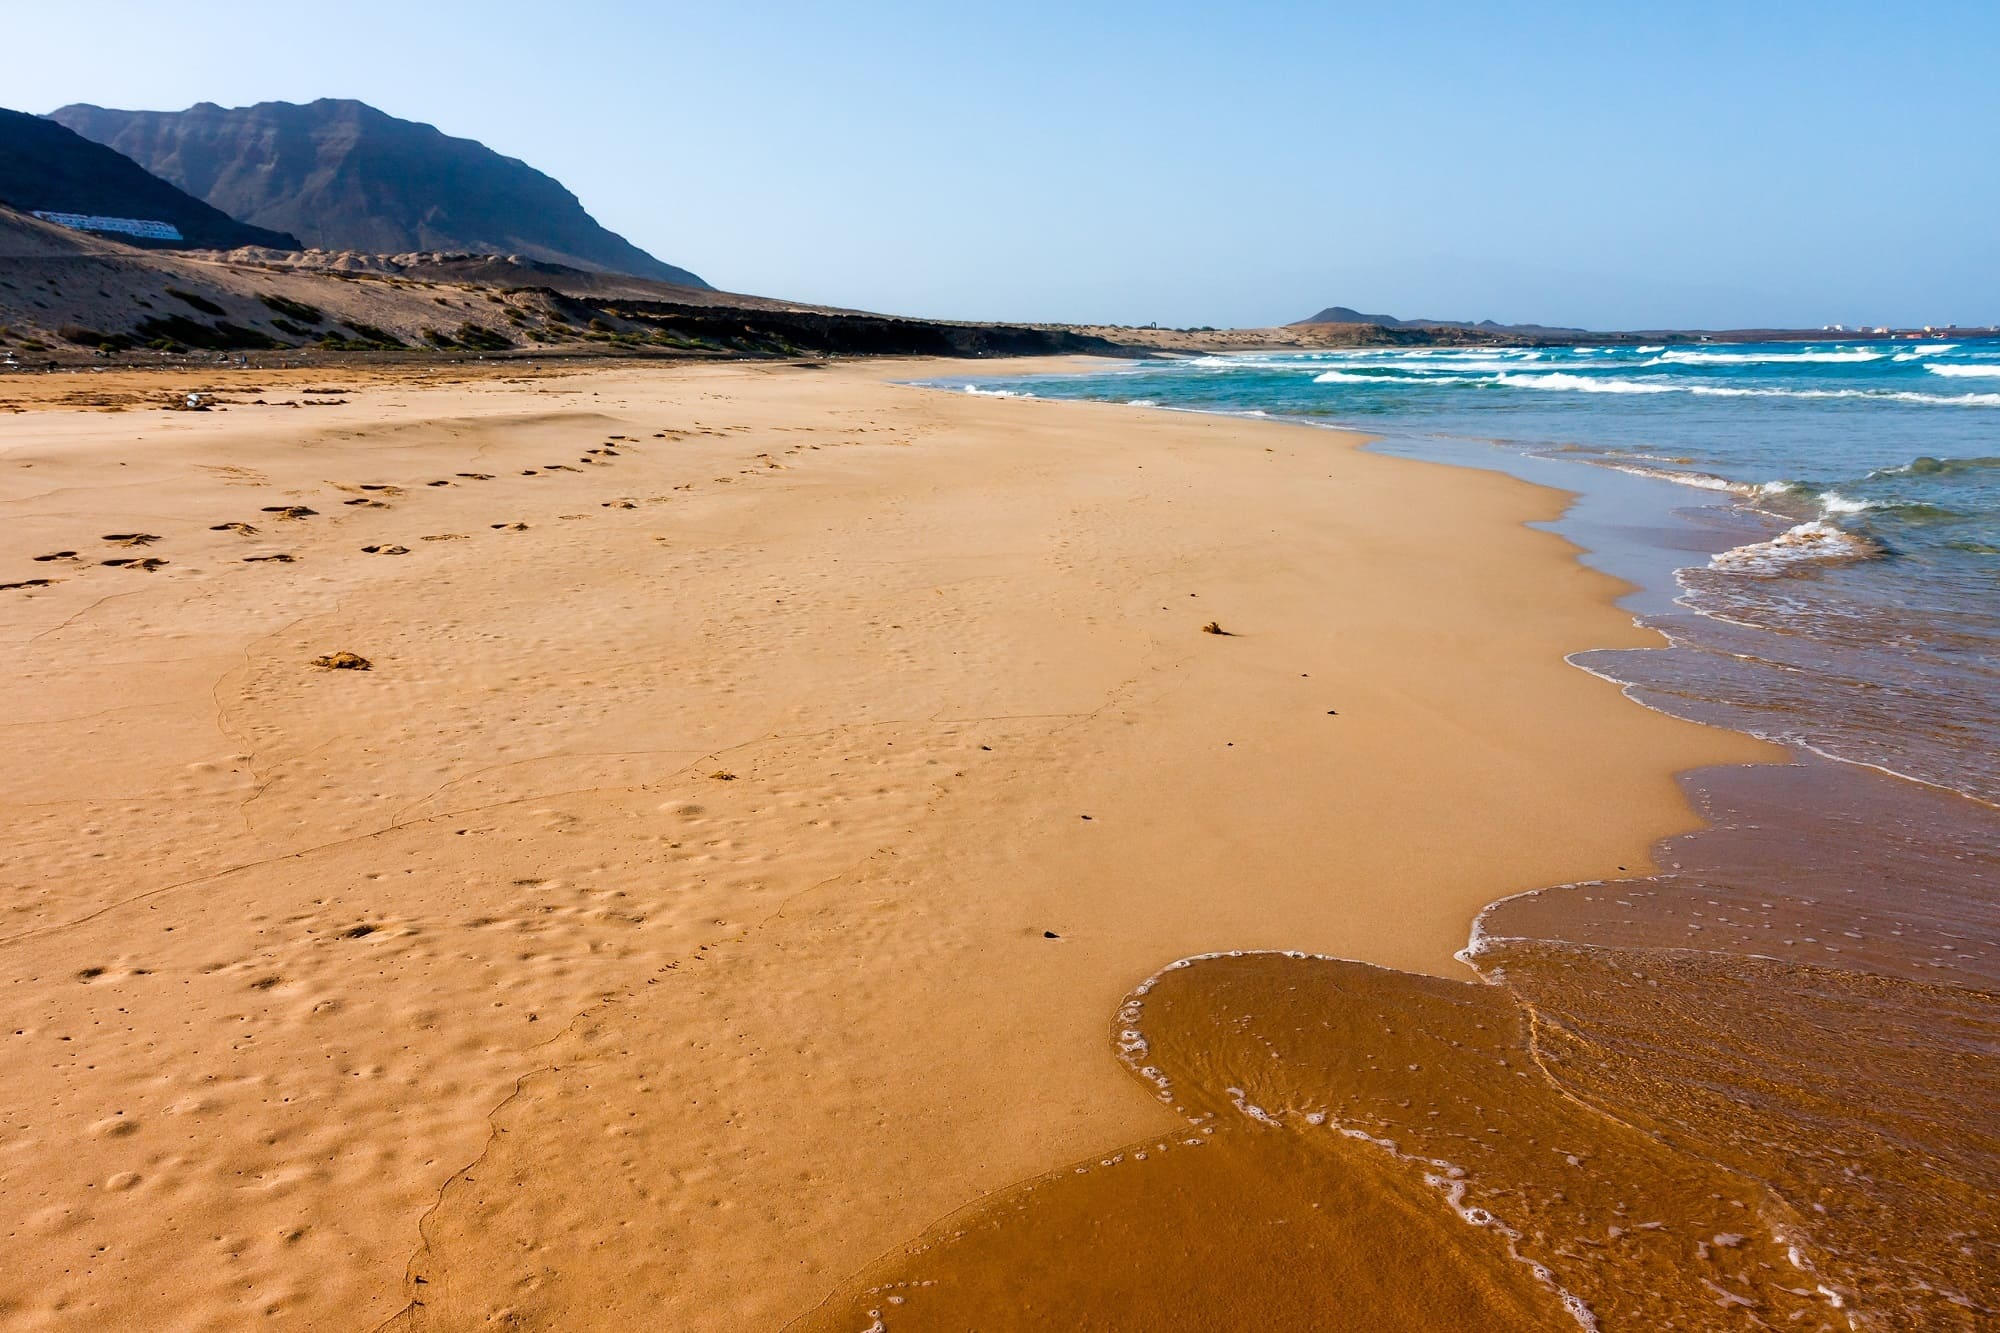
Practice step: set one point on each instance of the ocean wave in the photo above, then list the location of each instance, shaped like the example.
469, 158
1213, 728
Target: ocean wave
1833, 502
1806, 544
1562, 380
1877, 395
1460, 353
1463, 365
1363, 377
1925, 465
975, 390
1768, 358
1648, 351
1557, 379
1920, 353
1706, 481
1979, 372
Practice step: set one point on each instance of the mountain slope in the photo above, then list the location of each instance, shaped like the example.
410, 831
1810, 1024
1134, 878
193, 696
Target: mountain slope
1340, 314
344, 176
44, 166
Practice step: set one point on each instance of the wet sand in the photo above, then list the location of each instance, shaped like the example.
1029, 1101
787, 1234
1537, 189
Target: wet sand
1676, 1103
767, 785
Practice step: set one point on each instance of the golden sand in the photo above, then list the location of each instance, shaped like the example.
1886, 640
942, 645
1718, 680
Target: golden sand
766, 784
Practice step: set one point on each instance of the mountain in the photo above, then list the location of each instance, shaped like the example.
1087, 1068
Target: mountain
344, 176
1340, 314
47, 168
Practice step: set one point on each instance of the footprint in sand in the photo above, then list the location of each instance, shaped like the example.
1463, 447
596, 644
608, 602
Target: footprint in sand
241, 529
56, 555
445, 537
618, 504
386, 550
477, 476
290, 511
132, 538
510, 527
437, 483
149, 563
282, 557
27, 583
385, 489
367, 503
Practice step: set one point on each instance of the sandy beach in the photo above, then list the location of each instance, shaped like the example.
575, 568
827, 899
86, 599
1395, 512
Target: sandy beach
766, 785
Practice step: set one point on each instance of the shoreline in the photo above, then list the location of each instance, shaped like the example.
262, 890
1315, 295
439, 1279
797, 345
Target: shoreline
947, 881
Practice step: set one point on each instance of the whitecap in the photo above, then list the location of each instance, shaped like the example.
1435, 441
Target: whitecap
1854, 355
1877, 395
1976, 372
1810, 542
1582, 383
1362, 377
1705, 481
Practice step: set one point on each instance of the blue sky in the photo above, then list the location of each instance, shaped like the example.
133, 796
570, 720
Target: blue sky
1692, 164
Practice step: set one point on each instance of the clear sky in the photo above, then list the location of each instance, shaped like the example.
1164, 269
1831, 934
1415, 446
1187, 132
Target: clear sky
1618, 165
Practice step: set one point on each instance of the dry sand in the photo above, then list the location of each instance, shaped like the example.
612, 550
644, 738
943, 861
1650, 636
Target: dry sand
739, 847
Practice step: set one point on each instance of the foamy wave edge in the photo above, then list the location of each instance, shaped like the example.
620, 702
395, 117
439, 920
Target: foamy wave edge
1447, 1179
1807, 543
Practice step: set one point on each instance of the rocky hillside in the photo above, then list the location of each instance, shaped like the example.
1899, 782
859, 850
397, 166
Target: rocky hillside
341, 175
46, 167
68, 299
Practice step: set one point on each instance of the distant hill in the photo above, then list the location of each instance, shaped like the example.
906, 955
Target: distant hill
1340, 314
45, 167
343, 176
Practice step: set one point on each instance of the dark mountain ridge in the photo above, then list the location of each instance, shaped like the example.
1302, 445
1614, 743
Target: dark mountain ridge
342, 175
49, 168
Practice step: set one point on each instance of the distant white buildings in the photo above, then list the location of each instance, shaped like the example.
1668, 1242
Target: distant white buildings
143, 228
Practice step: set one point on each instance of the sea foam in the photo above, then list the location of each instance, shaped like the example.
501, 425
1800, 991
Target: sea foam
1768, 358
1804, 544
1582, 383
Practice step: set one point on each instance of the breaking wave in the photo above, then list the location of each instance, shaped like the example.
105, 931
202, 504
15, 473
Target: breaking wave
1855, 355
1814, 542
